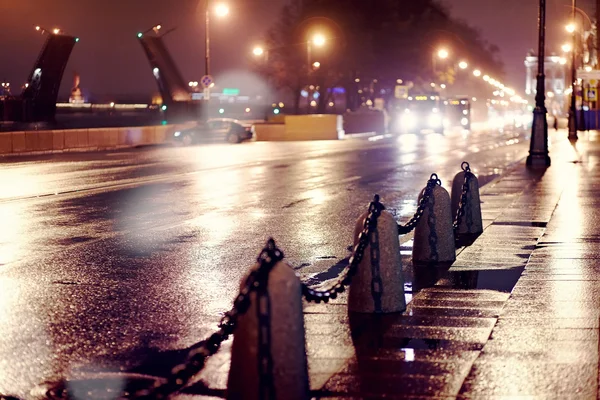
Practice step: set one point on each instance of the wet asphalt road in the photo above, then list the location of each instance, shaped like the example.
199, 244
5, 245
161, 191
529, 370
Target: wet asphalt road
108, 257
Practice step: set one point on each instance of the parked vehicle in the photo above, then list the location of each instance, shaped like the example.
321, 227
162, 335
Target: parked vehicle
214, 130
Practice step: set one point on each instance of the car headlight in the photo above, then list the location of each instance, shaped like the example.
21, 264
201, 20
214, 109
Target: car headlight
435, 120
464, 121
177, 134
408, 120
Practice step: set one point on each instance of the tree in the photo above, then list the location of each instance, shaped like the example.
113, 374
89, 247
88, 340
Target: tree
374, 42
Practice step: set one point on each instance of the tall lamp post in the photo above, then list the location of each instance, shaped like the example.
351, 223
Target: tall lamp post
538, 147
573, 108
319, 41
221, 11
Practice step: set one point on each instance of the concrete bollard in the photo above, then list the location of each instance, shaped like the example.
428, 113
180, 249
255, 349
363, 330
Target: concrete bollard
268, 355
434, 233
469, 224
378, 286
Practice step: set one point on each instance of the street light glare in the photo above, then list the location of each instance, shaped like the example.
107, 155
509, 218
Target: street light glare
570, 28
56, 31
463, 65
477, 73
443, 53
319, 40
221, 10
316, 65
486, 78
566, 47
258, 51
37, 28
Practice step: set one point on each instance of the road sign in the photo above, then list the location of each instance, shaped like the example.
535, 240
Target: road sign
591, 94
206, 94
206, 81
401, 92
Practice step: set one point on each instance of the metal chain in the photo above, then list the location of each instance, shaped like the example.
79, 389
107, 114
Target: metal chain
376, 282
462, 205
369, 226
410, 225
431, 223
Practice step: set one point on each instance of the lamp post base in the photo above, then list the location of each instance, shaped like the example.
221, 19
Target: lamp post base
572, 125
538, 150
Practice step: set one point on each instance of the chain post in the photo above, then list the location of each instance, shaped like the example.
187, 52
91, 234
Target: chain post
460, 213
410, 225
369, 226
181, 374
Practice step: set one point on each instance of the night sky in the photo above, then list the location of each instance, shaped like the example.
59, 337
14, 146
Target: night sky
111, 61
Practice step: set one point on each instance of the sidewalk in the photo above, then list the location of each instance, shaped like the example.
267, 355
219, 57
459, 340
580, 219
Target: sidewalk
468, 335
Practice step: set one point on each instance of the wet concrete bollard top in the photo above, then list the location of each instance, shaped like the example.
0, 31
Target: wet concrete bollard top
434, 233
268, 355
378, 286
470, 223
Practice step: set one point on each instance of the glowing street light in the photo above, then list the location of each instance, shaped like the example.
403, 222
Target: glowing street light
221, 10
566, 47
486, 78
37, 28
477, 73
258, 51
570, 27
56, 31
316, 65
443, 54
319, 40
463, 65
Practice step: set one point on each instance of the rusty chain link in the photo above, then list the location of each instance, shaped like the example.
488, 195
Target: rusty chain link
463, 199
369, 226
410, 225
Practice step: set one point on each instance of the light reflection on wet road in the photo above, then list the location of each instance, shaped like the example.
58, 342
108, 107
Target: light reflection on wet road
105, 256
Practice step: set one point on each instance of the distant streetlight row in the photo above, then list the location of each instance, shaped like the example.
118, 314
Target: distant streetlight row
502, 89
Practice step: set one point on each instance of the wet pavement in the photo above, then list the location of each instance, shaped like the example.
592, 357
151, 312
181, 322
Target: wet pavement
111, 261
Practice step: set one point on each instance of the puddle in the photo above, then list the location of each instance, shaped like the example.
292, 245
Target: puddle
537, 224
501, 280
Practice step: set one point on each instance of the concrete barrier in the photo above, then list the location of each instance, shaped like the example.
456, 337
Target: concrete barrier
314, 127
5, 143
18, 142
269, 132
56, 141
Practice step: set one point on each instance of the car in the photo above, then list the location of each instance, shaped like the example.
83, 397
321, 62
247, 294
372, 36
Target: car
214, 130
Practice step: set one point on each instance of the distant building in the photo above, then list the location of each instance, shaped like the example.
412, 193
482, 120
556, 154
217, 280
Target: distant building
555, 68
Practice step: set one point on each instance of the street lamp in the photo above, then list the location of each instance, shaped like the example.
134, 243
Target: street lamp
477, 73
442, 54
319, 41
463, 65
221, 10
258, 51
573, 107
566, 47
538, 146
316, 65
